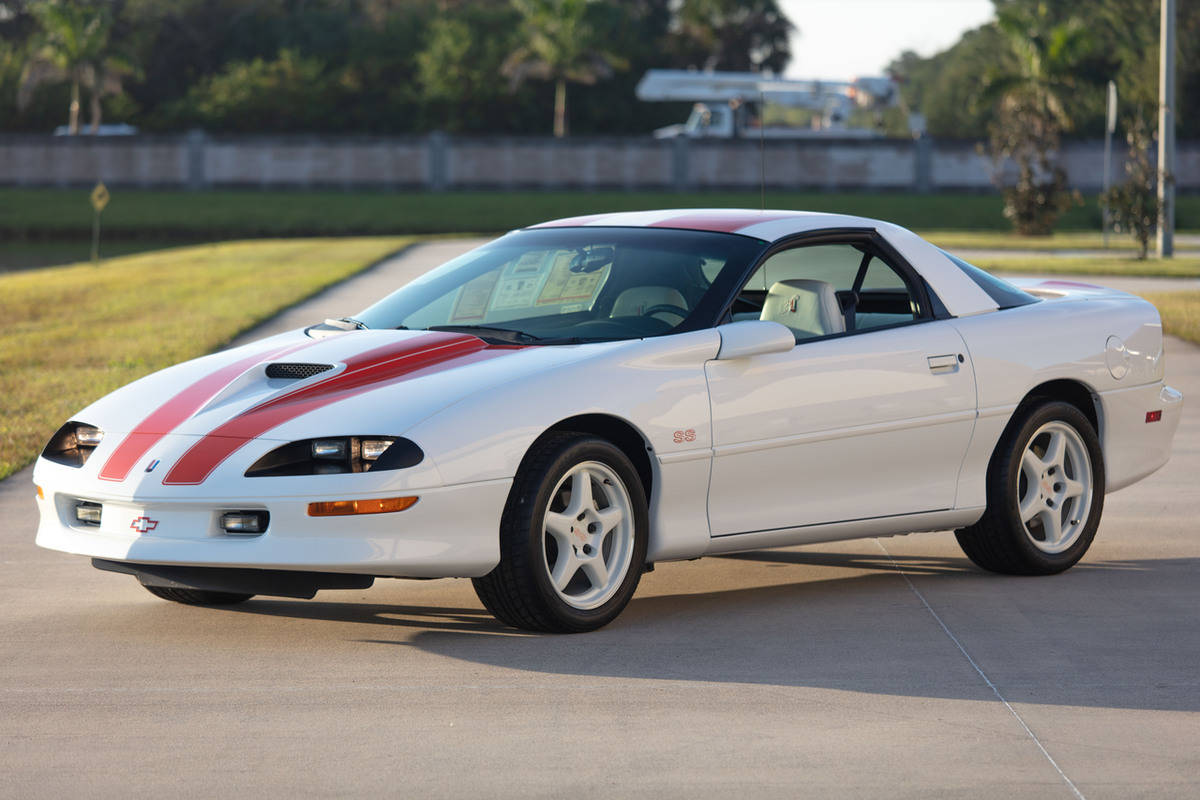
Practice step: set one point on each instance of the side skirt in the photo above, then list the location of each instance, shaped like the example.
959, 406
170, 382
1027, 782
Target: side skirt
840, 531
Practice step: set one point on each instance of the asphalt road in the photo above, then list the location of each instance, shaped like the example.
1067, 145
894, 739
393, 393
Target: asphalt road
877, 668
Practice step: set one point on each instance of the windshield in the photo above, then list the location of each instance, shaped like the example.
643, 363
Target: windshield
568, 285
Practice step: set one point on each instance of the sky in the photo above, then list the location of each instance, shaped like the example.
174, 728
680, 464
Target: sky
845, 39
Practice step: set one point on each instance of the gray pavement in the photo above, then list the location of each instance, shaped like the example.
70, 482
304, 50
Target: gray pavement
877, 668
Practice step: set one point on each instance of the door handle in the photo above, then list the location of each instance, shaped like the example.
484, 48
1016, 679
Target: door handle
941, 365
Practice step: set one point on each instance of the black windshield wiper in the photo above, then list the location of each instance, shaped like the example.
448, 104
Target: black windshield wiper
489, 334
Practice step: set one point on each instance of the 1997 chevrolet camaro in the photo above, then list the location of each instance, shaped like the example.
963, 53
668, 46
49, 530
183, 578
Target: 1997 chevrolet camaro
553, 413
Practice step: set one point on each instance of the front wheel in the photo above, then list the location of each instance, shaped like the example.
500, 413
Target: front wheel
1045, 494
572, 539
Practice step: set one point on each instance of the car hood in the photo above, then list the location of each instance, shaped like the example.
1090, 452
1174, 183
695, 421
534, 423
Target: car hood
292, 387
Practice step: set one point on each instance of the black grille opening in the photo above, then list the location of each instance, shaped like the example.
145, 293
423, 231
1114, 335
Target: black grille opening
296, 372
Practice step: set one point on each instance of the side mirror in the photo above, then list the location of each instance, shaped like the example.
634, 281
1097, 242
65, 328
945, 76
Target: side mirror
754, 337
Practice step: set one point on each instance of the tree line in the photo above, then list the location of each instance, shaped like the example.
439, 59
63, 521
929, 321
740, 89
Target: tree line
1022, 82
1080, 44
508, 66
367, 66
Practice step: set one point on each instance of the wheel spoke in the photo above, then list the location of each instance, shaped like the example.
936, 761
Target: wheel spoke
1031, 504
596, 570
1052, 525
609, 518
564, 568
559, 526
1056, 450
1072, 489
1032, 467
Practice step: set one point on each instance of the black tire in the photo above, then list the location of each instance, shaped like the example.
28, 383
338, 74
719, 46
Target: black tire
198, 597
1045, 494
556, 574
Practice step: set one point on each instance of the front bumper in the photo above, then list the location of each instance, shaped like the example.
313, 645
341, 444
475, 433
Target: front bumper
450, 532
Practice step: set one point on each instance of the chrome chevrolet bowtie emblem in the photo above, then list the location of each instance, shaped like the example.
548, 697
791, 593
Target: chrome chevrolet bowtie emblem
143, 524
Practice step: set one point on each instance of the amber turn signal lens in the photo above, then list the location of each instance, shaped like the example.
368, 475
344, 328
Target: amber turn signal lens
343, 508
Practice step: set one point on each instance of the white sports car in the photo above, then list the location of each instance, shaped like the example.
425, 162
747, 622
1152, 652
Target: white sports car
553, 413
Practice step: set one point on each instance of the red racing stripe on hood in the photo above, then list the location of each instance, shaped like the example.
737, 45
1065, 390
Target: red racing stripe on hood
178, 409
382, 366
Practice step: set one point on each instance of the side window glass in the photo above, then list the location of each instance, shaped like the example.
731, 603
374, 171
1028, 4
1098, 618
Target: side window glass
827, 290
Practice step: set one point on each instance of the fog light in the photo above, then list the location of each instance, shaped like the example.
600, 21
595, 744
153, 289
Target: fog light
343, 508
88, 513
244, 522
330, 448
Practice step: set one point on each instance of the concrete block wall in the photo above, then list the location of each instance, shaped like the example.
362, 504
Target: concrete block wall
437, 162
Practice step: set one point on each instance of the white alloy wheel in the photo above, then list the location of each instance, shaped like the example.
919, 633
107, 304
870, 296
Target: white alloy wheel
1055, 490
589, 535
573, 537
1045, 493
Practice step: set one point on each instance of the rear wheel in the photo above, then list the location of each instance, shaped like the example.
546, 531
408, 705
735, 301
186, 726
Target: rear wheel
572, 538
1045, 494
198, 597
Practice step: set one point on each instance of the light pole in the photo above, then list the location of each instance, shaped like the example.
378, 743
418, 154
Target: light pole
1110, 126
1166, 132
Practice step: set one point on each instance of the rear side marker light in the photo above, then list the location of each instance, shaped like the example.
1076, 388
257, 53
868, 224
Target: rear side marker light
1153, 416
344, 508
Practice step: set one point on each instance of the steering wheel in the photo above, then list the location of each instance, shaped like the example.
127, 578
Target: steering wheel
666, 308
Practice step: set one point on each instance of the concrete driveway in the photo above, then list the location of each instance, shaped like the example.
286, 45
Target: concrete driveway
878, 668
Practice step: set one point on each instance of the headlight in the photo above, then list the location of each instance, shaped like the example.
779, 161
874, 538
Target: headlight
73, 443
336, 455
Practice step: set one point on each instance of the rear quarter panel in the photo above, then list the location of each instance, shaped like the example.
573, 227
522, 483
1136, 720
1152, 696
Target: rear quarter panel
1065, 337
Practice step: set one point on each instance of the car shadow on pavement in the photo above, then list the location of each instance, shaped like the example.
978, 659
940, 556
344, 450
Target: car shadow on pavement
1118, 634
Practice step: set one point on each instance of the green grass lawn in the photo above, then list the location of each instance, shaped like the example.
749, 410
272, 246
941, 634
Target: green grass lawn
1180, 313
73, 334
1182, 266
213, 215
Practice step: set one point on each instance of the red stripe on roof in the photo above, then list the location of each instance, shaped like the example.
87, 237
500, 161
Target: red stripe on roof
725, 222
570, 222
375, 368
175, 411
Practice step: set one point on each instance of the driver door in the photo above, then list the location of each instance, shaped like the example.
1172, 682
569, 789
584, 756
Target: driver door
869, 420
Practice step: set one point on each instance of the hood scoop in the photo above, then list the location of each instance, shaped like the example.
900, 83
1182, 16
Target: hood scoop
296, 371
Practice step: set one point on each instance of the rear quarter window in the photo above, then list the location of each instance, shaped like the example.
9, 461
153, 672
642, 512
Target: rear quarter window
1002, 292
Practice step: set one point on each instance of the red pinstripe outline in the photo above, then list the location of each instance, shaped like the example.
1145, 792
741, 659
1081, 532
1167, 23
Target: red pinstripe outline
373, 369
175, 411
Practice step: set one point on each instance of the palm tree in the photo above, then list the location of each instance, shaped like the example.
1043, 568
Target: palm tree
73, 46
1031, 114
1048, 58
737, 35
561, 45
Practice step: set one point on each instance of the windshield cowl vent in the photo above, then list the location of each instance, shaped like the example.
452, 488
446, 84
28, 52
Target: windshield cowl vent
296, 372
